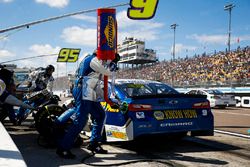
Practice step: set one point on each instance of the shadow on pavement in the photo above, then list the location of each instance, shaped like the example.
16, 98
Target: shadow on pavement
155, 149
171, 148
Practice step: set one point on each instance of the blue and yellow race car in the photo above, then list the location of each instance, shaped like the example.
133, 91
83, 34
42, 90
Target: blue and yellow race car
150, 107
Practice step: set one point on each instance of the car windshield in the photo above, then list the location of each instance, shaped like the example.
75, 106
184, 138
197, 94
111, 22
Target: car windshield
215, 92
141, 89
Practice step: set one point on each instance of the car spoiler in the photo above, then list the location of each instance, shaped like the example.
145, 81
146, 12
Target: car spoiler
168, 96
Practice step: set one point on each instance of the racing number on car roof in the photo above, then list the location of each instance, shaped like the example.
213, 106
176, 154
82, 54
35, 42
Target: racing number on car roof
68, 55
142, 9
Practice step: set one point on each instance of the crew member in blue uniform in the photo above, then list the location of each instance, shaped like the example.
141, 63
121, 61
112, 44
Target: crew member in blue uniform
86, 92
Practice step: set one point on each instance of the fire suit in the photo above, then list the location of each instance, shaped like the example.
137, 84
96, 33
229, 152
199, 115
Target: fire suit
39, 80
86, 92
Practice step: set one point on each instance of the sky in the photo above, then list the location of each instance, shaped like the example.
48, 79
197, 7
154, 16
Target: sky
202, 27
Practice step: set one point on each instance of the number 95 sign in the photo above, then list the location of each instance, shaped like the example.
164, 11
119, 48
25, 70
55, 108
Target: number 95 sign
142, 9
68, 55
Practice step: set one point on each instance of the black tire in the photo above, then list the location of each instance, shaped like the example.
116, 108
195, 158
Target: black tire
222, 107
44, 119
4, 112
3, 115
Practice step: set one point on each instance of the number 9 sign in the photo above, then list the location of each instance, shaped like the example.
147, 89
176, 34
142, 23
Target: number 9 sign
142, 9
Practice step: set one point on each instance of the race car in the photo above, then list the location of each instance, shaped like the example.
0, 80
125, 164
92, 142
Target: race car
215, 97
151, 107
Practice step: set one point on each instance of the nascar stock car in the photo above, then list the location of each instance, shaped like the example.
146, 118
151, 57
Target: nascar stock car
150, 107
215, 97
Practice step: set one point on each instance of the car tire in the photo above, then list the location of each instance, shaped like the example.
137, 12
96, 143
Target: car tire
222, 107
179, 135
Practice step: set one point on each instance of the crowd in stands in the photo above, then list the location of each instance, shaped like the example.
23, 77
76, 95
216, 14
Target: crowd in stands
217, 69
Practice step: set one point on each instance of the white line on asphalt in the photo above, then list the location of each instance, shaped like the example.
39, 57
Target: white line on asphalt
221, 112
233, 134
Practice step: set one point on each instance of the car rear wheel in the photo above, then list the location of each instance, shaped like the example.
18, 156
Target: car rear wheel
222, 107
179, 135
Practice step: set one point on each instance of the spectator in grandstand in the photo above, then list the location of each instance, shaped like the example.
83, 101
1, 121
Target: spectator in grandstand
219, 68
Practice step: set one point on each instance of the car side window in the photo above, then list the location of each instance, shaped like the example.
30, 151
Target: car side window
192, 92
203, 93
200, 92
117, 93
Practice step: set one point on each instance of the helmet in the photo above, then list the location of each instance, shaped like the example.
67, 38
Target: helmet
50, 67
117, 58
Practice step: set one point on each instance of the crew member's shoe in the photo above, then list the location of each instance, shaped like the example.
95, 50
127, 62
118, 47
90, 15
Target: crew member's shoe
65, 154
15, 122
96, 148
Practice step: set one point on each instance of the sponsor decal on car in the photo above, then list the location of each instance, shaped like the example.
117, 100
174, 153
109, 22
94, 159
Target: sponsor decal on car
173, 102
176, 124
145, 126
136, 86
175, 114
116, 134
108, 108
140, 115
204, 112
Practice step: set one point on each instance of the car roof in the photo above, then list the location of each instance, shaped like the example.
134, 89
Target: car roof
138, 81
198, 89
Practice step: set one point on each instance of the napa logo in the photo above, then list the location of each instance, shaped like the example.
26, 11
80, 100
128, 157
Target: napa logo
110, 31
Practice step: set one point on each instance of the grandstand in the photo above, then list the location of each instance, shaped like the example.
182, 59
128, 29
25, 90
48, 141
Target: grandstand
9, 66
217, 70
132, 51
62, 83
220, 70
